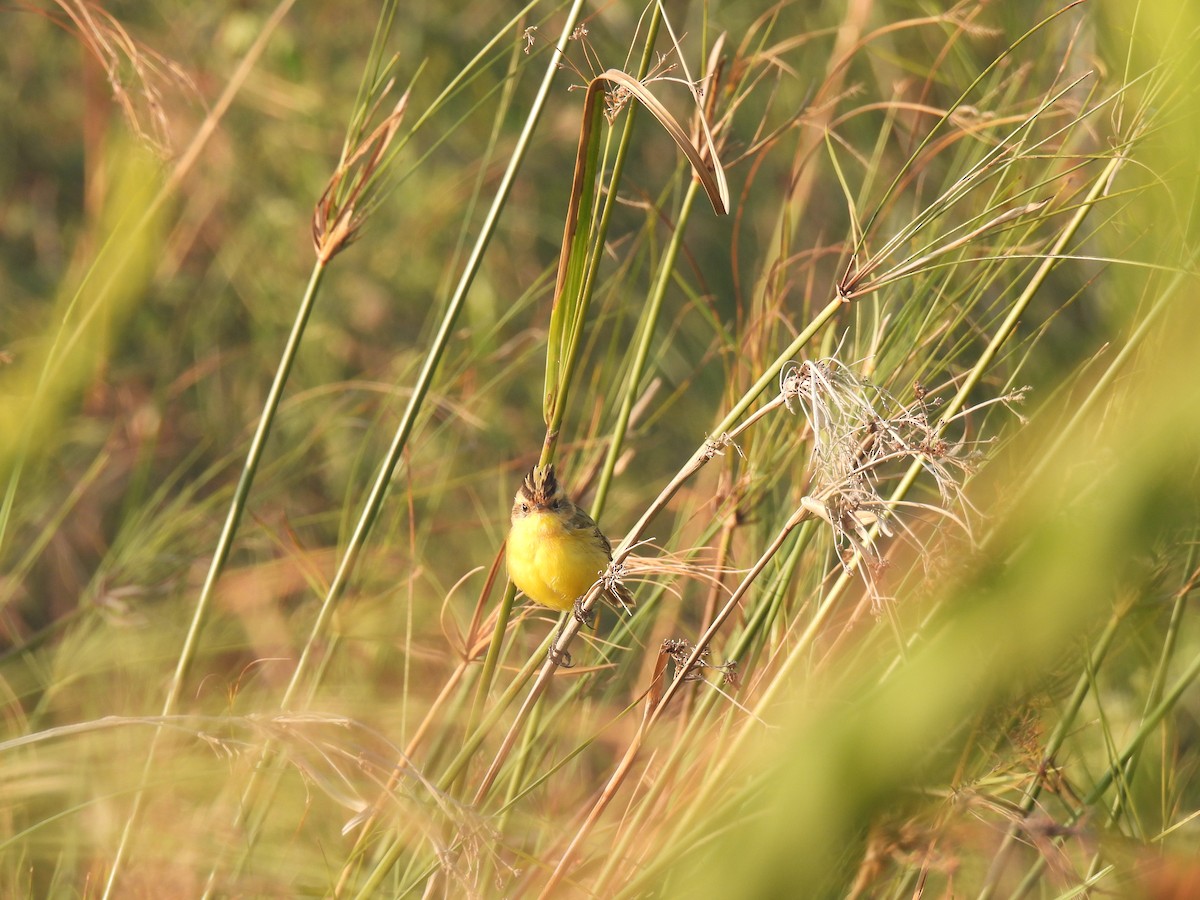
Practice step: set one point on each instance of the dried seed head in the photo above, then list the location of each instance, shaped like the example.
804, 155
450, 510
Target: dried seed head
861, 437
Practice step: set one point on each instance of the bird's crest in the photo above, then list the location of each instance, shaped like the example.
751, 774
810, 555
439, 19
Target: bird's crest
540, 485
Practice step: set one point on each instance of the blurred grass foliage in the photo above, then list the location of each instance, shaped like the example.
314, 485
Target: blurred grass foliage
908, 442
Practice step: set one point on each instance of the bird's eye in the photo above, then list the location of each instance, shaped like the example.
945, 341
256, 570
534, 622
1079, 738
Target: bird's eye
524, 507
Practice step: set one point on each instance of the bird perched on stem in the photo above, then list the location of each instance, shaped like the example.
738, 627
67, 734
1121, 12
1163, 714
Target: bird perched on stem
556, 551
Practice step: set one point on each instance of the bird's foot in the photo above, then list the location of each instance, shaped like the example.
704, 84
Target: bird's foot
585, 617
560, 658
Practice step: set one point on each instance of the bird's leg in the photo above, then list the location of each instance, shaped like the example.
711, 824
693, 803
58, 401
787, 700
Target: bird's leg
560, 658
586, 618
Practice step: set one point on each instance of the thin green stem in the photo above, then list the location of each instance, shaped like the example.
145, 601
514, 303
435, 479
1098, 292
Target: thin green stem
379, 488
666, 271
237, 507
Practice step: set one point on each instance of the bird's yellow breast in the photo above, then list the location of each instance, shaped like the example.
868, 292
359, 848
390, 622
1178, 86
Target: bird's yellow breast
553, 565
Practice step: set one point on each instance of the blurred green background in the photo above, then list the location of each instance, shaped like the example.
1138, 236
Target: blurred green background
1000, 704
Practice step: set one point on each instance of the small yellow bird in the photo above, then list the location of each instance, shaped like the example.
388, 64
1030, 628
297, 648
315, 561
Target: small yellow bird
556, 552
